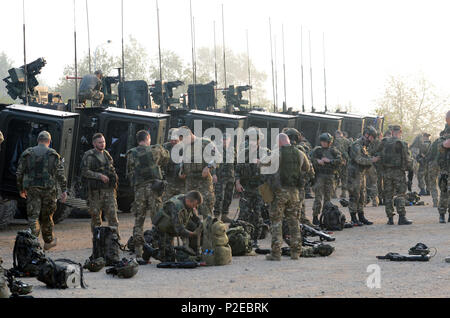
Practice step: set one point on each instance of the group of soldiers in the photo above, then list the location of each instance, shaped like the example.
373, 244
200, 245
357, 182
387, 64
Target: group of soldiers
179, 195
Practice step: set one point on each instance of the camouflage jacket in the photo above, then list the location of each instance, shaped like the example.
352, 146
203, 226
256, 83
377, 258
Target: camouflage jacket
93, 165
172, 169
307, 174
342, 145
359, 155
328, 168
194, 166
249, 174
40, 167
401, 155
178, 214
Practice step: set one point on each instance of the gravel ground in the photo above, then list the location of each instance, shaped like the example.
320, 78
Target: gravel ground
343, 274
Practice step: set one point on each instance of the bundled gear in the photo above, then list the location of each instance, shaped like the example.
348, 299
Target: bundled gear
412, 198
94, 265
27, 254
61, 274
106, 245
216, 250
240, 241
420, 249
332, 219
126, 268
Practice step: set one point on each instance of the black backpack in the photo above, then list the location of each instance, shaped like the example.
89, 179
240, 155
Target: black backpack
27, 254
105, 243
332, 219
61, 274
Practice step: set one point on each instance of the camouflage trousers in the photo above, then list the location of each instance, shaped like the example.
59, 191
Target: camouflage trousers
395, 188
100, 202
41, 205
166, 247
342, 178
356, 191
422, 176
224, 190
206, 188
251, 205
286, 204
95, 96
372, 183
303, 218
174, 187
380, 183
433, 175
145, 199
323, 189
444, 202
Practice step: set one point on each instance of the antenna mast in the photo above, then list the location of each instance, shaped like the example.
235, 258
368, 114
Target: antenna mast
284, 71
194, 75
215, 65
311, 74
301, 56
163, 106
25, 55
89, 36
324, 73
249, 73
271, 59
75, 47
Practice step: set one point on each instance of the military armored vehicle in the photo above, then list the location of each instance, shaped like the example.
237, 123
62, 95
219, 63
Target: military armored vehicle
312, 125
351, 123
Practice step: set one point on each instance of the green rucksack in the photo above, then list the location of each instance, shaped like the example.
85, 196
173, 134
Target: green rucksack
27, 254
240, 241
105, 244
216, 250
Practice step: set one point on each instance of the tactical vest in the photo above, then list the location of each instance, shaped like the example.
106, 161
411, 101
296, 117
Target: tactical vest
40, 173
444, 159
327, 168
391, 156
290, 171
162, 219
146, 168
193, 168
171, 167
249, 173
103, 168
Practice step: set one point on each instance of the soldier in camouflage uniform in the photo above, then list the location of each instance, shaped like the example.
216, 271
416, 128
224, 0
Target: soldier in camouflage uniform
287, 202
433, 170
342, 144
308, 148
144, 172
199, 174
396, 160
444, 177
224, 188
172, 221
39, 172
372, 180
176, 185
326, 161
360, 162
248, 179
307, 177
99, 174
419, 148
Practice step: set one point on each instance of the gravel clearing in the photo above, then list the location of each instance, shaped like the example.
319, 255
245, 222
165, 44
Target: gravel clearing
343, 274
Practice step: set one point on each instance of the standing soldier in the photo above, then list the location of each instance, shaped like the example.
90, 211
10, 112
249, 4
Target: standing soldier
97, 168
372, 181
144, 172
307, 174
342, 144
307, 146
175, 184
248, 179
422, 174
396, 160
431, 158
39, 172
444, 165
287, 201
326, 161
199, 174
224, 188
360, 162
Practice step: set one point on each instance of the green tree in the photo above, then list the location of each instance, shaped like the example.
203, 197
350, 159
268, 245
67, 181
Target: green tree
412, 102
5, 64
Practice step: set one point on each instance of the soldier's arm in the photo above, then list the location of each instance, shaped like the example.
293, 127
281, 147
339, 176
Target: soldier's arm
86, 163
130, 167
21, 168
337, 161
306, 165
407, 154
60, 175
357, 156
178, 226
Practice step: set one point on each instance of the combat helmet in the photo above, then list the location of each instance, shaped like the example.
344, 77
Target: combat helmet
292, 133
126, 268
326, 137
371, 131
94, 265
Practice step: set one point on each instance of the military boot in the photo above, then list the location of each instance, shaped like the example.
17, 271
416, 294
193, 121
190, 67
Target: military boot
390, 220
316, 220
272, 257
363, 219
50, 245
295, 255
226, 219
355, 221
402, 220
442, 218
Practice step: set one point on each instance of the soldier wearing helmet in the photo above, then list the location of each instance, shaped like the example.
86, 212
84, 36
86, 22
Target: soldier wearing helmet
172, 169
360, 162
341, 143
326, 161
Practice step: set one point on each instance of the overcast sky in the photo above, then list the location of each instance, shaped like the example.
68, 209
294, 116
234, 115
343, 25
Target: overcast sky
365, 41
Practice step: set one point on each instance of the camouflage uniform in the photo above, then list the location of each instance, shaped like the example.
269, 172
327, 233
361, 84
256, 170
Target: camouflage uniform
102, 198
342, 145
308, 148
224, 188
307, 177
143, 170
325, 174
287, 201
422, 175
431, 158
90, 87
175, 185
395, 159
251, 203
372, 181
360, 162
444, 178
39, 171
195, 180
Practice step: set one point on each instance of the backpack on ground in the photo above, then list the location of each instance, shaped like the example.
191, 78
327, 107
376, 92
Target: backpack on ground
126, 268
27, 254
216, 250
61, 274
106, 245
332, 219
239, 240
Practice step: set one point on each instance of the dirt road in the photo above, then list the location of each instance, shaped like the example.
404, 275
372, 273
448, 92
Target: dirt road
343, 274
